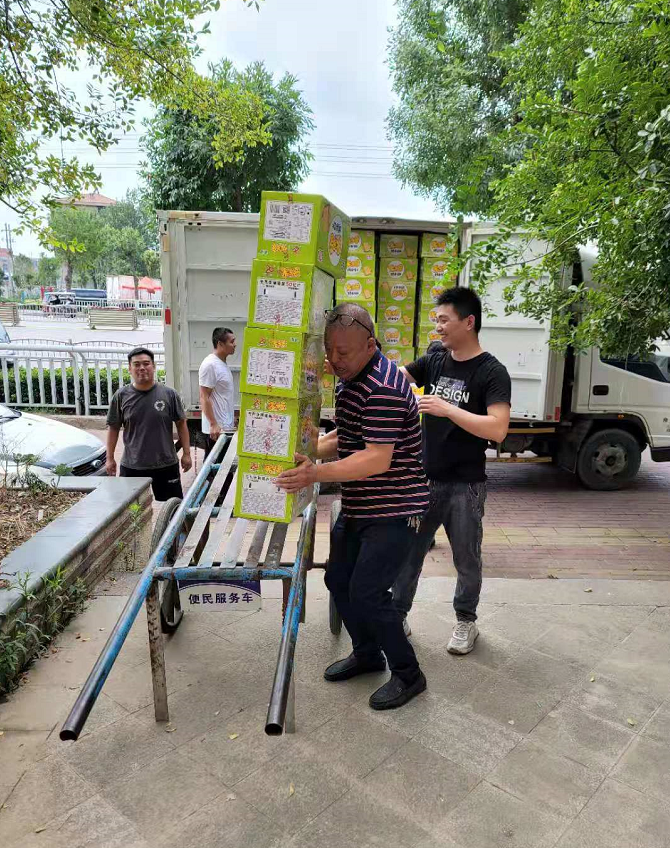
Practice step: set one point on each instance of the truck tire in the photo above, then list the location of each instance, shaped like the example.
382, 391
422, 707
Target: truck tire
608, 460
171, 611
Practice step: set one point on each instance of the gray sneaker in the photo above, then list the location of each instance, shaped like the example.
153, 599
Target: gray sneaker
463, 638
406, 627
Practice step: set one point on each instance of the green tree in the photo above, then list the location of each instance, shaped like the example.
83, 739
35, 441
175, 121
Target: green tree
136, 50
135, 211
24, 271
184, 171
80, 239
125, 254
48, 271
453, 97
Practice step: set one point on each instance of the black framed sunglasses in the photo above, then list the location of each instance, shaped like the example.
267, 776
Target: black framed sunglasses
333, 317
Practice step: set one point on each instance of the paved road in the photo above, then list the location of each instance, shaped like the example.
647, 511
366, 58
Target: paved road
75, 332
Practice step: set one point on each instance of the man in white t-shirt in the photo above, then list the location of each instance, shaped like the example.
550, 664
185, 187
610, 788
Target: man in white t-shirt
216, 388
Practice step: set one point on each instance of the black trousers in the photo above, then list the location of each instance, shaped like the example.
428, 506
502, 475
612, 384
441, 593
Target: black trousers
366, 556
165, 482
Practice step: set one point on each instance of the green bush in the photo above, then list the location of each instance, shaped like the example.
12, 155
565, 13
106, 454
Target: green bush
52, 400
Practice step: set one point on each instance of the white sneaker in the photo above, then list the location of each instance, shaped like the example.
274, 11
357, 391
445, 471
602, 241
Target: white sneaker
406, 627
463, 638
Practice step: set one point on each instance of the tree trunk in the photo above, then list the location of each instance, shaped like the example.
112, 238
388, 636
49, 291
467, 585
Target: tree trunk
68, 275
137, 291
238, 199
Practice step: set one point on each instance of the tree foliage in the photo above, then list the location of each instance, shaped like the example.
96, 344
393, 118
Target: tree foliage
454, 98
588, 161
135, 49
79, 239
24, 271
48, 271
184, 171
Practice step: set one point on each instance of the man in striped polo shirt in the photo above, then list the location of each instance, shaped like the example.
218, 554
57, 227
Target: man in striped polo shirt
384, 494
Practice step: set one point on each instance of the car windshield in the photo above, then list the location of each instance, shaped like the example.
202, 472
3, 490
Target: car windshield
7, 414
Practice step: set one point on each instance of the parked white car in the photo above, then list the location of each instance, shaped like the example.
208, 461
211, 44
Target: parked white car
51, 443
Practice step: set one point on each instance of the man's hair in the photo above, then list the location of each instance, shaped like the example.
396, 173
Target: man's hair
355, 311
140, 351
220, 334
465, 302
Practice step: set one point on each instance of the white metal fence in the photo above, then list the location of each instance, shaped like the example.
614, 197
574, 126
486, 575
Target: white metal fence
78, 311
82, 377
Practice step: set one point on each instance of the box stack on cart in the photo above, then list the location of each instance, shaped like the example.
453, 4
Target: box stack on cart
398, 274
301, 251
436, 250
358, 284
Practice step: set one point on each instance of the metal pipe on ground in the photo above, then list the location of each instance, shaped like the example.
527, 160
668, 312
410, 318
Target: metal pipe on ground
276, 717
79, 713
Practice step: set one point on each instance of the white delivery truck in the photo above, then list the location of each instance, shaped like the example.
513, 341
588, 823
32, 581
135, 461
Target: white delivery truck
591, 416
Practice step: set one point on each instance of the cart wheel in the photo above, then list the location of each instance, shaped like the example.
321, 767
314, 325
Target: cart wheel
171, 611
334, 618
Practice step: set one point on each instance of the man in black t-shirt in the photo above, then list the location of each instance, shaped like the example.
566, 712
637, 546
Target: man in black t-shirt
465, 405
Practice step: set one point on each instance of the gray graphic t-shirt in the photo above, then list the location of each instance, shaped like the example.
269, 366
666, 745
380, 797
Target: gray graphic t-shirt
146, 419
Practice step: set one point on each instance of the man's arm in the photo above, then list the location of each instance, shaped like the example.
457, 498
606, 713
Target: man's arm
327, 447
112, 441
409, 377
374, 459
185, 440
493, 426
208, 411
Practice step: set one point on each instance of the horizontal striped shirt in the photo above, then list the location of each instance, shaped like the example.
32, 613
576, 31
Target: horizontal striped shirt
378, 407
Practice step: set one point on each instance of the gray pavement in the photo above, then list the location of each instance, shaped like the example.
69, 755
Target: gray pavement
553, 732
146, 334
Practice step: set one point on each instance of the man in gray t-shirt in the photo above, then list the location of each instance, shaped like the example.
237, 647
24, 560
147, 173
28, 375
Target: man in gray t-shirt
146, 411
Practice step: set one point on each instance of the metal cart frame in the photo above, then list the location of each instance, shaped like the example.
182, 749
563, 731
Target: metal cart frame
188, 534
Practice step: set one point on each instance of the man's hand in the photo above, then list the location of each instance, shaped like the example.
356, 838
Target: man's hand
304, 474
186, 461
215, 431
433, 405
110, 466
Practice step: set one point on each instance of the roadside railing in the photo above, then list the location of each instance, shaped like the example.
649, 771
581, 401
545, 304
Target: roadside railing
82, 377
78, 311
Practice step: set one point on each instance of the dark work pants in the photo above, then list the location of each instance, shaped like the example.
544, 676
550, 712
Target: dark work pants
366, 556
459, 507
165, 482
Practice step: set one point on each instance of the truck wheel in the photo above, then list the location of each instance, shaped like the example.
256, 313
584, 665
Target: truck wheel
334, 620
608, 460
171, 611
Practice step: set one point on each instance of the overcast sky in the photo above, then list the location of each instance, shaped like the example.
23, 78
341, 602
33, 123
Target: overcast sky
338, 54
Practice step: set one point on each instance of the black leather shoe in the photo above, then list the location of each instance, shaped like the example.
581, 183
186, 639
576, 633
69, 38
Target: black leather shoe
395, 692
352, 667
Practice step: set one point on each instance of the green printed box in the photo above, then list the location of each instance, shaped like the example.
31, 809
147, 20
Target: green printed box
328, 399
430, 291
399, 270
400, 314
361, 266
427, 315
277, 428
303, 228
392, 335
395, 245
289, 296
361, 242
281, 363
396, 292
355, 290
425, 338
399, 355
436, 270
257, 495
438, 245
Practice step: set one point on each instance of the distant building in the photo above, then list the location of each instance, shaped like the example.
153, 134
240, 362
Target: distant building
6, 264
93, 201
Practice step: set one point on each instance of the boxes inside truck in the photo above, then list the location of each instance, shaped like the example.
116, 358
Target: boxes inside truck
394, 245
355, 289
362, 266
397, 270
438, 244
361, 242
399, 355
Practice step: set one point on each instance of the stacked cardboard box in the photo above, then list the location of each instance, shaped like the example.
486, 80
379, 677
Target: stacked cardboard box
358, 284
301, 249
436, 249
398, 274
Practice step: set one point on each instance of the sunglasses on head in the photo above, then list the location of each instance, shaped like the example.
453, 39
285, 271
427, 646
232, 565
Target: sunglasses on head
346, 321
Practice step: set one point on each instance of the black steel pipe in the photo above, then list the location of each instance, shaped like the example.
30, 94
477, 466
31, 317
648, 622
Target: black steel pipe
91, 689
276, 717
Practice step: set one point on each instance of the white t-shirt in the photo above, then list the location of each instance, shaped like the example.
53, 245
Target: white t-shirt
216, 375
